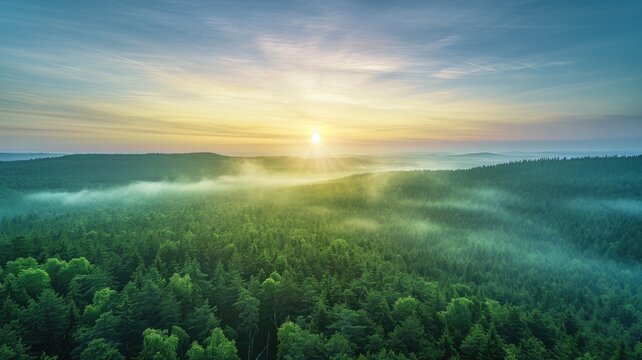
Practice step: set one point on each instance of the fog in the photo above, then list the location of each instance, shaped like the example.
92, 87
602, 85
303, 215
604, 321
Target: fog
497, 223
455, 161
135, 190
146, 189
251, 174
632, 207
486, 201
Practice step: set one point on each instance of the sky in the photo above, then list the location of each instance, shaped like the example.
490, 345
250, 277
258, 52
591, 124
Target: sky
260, 77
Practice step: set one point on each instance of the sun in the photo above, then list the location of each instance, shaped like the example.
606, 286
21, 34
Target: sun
315, 138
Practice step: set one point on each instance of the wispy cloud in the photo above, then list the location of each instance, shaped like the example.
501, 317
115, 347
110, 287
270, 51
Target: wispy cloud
481, 68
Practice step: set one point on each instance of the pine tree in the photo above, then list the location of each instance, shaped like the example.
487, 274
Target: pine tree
45, 322
248, 307
101, 349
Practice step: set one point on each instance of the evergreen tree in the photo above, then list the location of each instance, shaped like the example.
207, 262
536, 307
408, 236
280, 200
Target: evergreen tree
217, 347
101, 349
298, 344
458, 318
494, 346
248, 307
202, 321
474, 344
158, 345
45, 321
408, 336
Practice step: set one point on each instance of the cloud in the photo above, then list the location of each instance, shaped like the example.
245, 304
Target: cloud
569, 127
483, 68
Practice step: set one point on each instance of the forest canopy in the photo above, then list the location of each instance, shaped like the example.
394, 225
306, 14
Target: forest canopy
527, 260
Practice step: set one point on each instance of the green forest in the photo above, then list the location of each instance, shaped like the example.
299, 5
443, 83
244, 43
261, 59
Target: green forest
538, 259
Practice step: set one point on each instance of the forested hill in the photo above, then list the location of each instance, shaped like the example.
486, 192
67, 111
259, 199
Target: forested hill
81, 171
555, 178
86, 171
99, 170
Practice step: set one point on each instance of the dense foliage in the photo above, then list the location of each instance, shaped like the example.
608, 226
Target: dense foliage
530, 260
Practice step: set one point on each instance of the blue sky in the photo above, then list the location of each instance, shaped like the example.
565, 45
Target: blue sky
243, 77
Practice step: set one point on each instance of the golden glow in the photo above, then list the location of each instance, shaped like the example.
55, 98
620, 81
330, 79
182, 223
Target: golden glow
170, 108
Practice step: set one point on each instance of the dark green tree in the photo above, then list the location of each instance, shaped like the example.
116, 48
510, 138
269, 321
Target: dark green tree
101, 349
248, 307
45, 321
202, 321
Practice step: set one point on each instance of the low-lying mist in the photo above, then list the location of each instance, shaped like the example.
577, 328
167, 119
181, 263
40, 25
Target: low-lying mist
146, 189
631, 207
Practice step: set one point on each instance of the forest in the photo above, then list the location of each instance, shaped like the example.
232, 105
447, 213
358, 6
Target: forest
151, 257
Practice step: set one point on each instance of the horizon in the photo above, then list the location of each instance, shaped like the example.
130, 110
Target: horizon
258, 78
580, 152
333, 165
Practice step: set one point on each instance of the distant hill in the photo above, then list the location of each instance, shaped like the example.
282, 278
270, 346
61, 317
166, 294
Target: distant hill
25, 156
74, 172
479, 154
91, 171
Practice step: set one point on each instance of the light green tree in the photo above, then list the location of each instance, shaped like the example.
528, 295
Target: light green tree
158, 345
33, 281
217, 347
298, 344
458, 317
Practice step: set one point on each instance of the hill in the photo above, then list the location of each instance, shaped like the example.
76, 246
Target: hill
75, 172
25, 156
